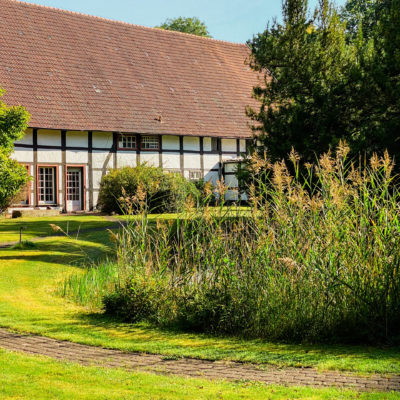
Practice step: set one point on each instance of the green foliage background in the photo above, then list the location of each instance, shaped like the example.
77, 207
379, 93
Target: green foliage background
187, 25
330, 75
13, 123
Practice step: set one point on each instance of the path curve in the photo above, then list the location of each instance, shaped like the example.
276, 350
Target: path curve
234, 371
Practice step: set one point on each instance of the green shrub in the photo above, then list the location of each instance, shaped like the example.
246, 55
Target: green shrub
13, 177
24, 245
122, 190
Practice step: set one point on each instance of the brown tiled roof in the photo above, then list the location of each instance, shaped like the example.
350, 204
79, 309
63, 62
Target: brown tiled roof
78, 72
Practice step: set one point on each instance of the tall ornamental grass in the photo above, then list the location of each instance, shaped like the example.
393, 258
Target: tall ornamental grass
315, 259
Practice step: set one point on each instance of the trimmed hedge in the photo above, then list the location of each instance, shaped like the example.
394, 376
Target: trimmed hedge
159, 191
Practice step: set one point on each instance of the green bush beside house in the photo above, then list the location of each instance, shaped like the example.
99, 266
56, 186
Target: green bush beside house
131, 188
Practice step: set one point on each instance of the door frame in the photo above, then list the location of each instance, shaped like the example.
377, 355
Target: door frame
83, 186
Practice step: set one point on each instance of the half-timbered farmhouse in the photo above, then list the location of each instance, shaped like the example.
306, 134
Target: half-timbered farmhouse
104, 94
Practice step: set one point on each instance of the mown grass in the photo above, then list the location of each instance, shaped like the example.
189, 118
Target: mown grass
33, 377
34, 227
29, 303
215, 210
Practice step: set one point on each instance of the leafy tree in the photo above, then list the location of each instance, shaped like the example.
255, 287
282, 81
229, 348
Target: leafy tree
13, 123
304, 99
384, 75
360, 14
187, 25
324, 82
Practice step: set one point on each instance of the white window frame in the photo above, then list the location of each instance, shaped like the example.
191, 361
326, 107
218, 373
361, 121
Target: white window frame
127, 142
47, 184
149, 142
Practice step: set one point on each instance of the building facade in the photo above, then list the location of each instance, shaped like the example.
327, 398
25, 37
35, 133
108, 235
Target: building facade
67, 166
104, 94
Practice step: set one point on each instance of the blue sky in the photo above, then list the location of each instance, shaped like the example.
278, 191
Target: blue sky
233, 20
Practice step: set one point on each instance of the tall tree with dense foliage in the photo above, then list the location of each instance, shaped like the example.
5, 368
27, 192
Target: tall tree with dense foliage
13, 123
360, 14
325, 81
187, 25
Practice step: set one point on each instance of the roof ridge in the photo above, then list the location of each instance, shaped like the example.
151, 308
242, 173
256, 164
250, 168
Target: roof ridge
34, 5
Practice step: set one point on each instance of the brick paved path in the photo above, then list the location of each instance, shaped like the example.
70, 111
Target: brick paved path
89, 355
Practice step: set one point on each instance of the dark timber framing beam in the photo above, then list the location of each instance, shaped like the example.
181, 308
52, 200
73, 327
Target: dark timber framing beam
114, 149
160, 155
138, 144
202, 156
90, 170
34, 172
109, 149
63, 171
181, 157
219, 148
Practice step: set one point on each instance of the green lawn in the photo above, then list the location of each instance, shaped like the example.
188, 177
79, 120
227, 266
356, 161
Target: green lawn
29, 303
33, 377
215, 211
40, 226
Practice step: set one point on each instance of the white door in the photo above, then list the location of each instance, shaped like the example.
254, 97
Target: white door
74, 189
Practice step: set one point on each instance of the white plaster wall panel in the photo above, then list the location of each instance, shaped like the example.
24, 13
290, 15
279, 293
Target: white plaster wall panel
48, 156
77, 139
102, 140
76, 156
95, 198
232, 195
228, 145
171, 160
126, 159
207, 144
191, 161
150, 158
211, 161
47, 137
242, 145
212, 177
59, 185
22, 155
28, 137
231, 167
244, 197
97, 175
86, 183
87, 200
229, 156
59, 181
170, 142
102, 159
191, 143
231, 181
